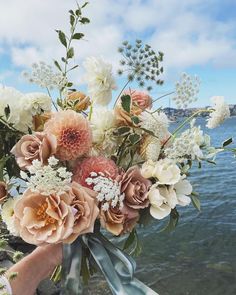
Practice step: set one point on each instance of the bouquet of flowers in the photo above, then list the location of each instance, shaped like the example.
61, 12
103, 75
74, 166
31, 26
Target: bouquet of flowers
73, 169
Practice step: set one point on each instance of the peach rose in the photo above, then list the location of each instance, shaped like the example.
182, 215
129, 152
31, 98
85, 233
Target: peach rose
135, 187
44, 219
34, 146
82, 100
140, 101
3, 191
118, 221
85, 210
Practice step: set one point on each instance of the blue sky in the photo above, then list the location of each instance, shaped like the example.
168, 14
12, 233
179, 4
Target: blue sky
197, 36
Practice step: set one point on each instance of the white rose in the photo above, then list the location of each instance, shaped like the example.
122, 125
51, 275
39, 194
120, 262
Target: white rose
162, 200
36, 102
148, 169
166, 172
183, 189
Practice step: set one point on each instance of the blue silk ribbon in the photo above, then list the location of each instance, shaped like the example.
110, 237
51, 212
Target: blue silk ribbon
117, 267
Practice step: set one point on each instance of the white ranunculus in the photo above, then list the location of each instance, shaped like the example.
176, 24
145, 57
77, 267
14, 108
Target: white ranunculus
220, 113
36, 103
167, 172
7, 213
183, 189
102, 120
147, 169
99, 79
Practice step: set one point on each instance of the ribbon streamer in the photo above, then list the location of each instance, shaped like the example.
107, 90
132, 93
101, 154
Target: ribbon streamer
117, 267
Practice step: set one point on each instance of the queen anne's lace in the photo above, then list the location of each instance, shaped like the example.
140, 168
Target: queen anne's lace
220, 113
186, 91
44, 76
47, 179
108, 190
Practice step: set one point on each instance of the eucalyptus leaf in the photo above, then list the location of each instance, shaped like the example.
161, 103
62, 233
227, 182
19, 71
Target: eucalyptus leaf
84, 20
72, 20
85, 4
134, 138
135, 120
124, 130
56, 63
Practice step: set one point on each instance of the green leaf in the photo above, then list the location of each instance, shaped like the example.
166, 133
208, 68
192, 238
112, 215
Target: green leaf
3, 162
227, 142
126, 102
62, 38
132, 244
71, 12
72, 20
84, 20
70, 53
211, 162
56, 63
124, 130
78, 36
135, 120
78, 12
196, 202
85, 4
134, 138
69, 84
85, 270
7, 111
173, 221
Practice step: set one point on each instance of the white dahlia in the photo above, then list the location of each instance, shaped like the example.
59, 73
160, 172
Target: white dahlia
99, 79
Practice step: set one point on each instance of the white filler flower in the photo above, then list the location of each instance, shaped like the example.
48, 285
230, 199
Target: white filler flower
220, 113
99, 79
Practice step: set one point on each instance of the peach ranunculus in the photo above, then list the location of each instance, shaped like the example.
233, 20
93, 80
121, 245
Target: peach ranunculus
81, 101
44, 219
140, 100
98, 164
73, 133
85, 210
3, 191
135, 187
30, 147
118, 221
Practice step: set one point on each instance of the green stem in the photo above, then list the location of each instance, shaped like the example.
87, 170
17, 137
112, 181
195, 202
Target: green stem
90, 112
9, 126
163, 96
49, 94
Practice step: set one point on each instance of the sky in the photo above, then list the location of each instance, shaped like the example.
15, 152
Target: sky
197, 37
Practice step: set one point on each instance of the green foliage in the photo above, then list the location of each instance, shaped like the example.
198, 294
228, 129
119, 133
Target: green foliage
195, 200
173, 221
126, 103
227, 142
132, 244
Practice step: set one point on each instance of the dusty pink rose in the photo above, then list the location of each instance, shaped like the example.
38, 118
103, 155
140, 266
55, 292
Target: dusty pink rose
118, 221
38, 146
140, 98
140, 101
85, 210
135, 187
73, 134
44, 219
3, 191
94, 164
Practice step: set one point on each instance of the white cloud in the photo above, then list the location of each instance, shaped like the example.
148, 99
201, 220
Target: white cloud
185, 30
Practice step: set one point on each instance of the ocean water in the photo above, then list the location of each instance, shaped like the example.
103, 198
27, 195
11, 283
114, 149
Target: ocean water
199, 257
